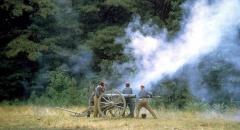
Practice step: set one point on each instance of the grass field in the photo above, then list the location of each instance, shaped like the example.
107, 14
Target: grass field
34, 117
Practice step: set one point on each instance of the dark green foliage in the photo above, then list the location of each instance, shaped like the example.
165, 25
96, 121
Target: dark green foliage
62, 90
56, 51
42, 38
95, 15
16, 74
222, 79
166, 13
18, 51
174, 93
104, 48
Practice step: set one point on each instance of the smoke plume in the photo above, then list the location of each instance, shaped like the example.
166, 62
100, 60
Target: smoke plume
207, 26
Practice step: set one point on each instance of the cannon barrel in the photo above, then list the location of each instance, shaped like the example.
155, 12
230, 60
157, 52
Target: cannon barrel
152, 97
124, 95
127, 95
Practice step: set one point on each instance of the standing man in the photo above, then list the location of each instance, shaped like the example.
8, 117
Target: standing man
100, 89
143, 102
129, 101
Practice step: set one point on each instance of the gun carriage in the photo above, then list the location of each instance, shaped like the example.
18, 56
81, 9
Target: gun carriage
111, 104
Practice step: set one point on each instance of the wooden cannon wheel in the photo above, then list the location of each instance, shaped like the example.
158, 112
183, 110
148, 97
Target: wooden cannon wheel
112, 104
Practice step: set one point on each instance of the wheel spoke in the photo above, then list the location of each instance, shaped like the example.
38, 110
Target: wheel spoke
104, 106
120, 112
106, 99
111, 97
104, 103
120, 107
115, 111
107, 107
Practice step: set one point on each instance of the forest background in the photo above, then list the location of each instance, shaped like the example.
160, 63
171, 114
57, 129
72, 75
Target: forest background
54, 52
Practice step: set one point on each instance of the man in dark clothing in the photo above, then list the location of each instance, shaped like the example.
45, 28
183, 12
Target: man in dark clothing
129, 101
143, 102
100, 89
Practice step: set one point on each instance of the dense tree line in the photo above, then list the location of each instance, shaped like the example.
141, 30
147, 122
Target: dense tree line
59, 49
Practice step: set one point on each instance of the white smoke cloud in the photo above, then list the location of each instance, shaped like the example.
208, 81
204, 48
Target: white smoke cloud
207, 26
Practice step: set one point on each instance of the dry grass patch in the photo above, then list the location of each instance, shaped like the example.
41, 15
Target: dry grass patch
34, 117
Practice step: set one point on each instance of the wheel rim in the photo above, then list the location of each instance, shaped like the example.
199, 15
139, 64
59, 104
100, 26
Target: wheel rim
112, 104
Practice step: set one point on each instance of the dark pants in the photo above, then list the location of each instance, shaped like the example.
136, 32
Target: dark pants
130, 103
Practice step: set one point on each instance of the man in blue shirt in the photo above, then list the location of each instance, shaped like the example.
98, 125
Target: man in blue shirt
129, 101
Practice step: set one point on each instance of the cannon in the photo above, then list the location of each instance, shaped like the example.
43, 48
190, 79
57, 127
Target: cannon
111, 104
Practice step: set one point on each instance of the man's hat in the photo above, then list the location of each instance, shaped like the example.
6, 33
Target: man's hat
101, 83
127, 84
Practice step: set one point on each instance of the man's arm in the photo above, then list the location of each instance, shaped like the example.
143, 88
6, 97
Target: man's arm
103, 89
